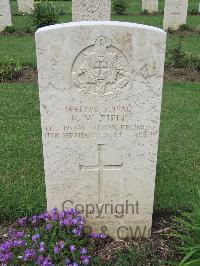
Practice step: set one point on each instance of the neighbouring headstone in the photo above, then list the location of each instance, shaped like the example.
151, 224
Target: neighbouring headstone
5, 14
100, 93
91, 10
175, 13
25, 6
151, 6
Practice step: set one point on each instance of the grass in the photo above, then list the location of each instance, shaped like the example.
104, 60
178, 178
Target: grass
135, 6
11, 45
188, 224
22, 189
191, 43
20, 49
179, 155
133, 14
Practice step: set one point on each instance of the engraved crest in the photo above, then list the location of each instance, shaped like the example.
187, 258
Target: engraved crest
101, 71
91, 5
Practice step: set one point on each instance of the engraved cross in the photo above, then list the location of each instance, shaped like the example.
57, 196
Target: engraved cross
101, 67
100, 168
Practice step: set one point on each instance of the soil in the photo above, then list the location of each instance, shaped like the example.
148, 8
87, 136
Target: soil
29, 75
160, 245
17, 34
194, 31
173, 74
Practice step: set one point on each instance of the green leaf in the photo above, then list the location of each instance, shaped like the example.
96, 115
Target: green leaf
188, 255
192, 263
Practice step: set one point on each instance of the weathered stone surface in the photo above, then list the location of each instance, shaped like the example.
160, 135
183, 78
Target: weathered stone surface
150, 5
25, 6
5, 14
100, 98
91, 10
175, 13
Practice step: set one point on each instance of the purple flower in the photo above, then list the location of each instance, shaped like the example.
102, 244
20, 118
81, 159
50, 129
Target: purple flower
35, 237
102, 236
5, 258
35, 252
74, 221
83, 251
93, 235
19, 243
47, 216
13, 234
67, 222
34, 219
42, 261
19, 234
62, 214
56, 249
77, 232
5, 247
82, 222
72, 248
67, 262
81, 227
54, 211
29, 255
62, 244
2, 258
96, 236
80, 218
71, 212
85, 260
54, 217
42, 247
41, 216
47, 262
61, 222
22, 221
48, 227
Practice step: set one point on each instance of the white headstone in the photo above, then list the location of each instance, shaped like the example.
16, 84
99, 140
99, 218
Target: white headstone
175, 13
150, 5
25, 6
5, 14
91, 10
100, 89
